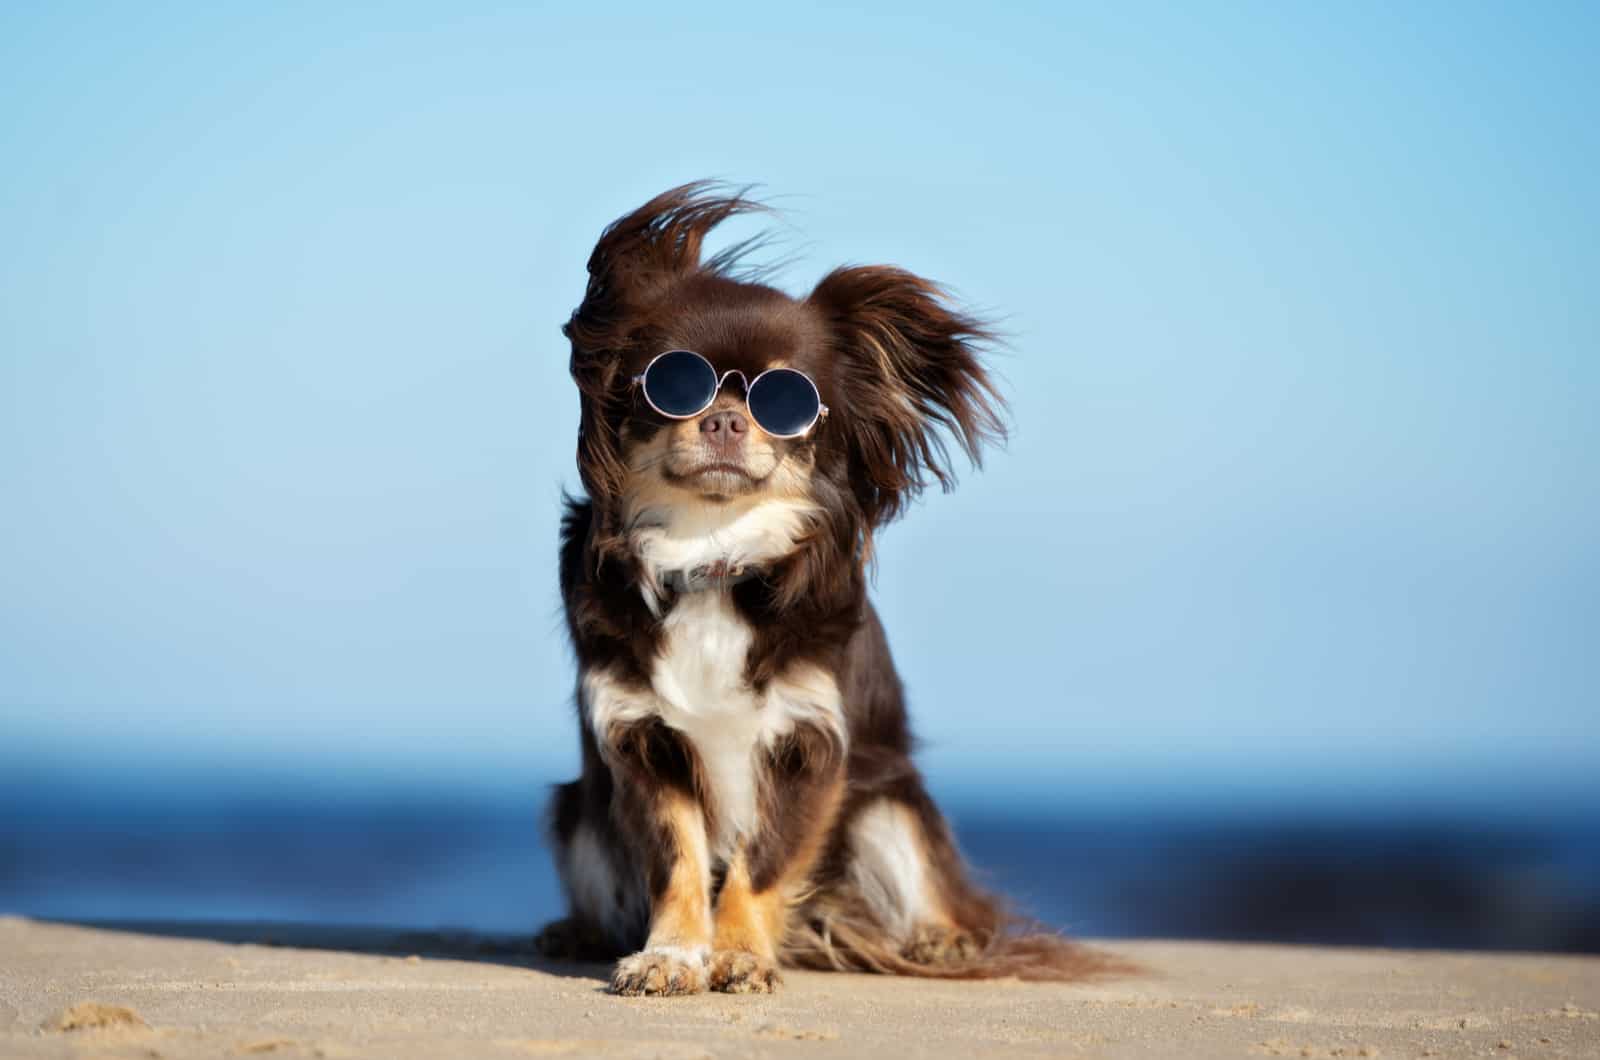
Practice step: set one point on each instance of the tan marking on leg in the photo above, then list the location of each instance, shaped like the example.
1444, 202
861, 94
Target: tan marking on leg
749, 929
751, 924
746, 920
674, 958
682, 915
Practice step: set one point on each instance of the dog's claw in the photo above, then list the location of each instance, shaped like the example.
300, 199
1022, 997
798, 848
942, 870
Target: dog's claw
742, 972
658, 973
940, 945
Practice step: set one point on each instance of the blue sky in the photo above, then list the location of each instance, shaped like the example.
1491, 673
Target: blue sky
1304, 476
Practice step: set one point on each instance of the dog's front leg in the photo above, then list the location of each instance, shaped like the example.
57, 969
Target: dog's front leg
802, 782
655, 804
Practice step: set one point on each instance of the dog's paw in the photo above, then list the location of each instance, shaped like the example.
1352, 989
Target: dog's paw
660, 972
742, 972
933, 944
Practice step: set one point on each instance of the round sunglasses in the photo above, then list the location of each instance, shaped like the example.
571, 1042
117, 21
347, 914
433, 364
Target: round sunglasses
681, 384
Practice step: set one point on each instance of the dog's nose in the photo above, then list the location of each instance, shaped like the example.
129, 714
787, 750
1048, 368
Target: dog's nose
724, 428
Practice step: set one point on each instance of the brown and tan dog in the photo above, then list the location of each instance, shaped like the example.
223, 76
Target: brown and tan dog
747, 796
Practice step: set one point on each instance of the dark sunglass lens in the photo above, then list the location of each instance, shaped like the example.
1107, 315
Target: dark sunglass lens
784, 402
680, 383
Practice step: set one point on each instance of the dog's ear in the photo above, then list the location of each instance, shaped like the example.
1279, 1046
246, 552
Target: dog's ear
633, 265
907, 364
639, 255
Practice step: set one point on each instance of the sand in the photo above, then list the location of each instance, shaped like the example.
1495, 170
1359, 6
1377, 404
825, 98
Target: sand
67, 990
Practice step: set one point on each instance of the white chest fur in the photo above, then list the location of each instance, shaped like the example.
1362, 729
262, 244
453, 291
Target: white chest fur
686, 534
698, 687
699, 677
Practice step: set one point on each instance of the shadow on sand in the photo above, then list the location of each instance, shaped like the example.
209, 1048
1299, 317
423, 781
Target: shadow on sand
516, 951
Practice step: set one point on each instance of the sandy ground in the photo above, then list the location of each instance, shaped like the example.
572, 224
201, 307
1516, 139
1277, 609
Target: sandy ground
273, 991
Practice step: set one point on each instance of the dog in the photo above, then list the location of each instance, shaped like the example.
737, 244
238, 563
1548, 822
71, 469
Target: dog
747, 797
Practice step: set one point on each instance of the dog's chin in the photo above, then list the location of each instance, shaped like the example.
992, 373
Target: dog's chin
716, 480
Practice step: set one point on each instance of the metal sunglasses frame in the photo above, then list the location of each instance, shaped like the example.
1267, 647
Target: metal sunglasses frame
722, 379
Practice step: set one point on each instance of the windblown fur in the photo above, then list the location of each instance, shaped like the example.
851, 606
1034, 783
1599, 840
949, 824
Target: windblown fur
747, 795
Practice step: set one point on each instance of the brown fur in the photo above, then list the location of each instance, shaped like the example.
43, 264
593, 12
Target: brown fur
901, 370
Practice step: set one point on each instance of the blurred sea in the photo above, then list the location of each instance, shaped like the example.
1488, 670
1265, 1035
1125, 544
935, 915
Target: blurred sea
264, 849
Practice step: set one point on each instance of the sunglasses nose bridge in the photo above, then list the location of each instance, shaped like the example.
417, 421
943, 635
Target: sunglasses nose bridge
744, 382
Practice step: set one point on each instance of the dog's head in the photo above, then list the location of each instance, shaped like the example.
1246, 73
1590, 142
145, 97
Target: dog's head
896, 367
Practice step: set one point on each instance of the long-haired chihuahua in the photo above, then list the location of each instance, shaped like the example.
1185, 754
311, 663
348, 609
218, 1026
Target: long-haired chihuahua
747, 797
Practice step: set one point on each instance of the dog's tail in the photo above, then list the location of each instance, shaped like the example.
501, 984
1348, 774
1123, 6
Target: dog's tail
838, 930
